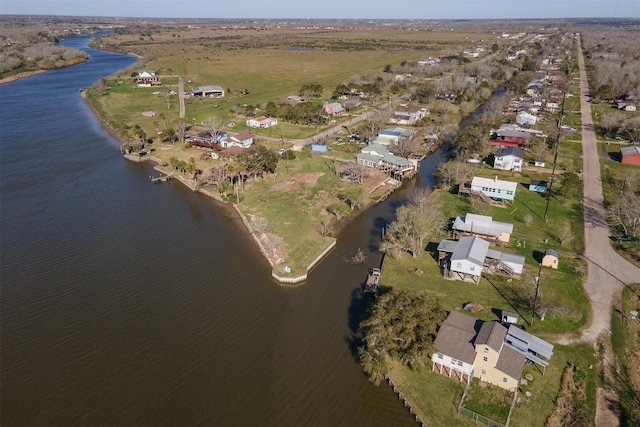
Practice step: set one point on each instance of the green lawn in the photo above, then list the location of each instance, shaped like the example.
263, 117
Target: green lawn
496, 292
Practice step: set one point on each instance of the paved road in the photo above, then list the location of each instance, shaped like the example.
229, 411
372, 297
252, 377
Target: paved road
608, 272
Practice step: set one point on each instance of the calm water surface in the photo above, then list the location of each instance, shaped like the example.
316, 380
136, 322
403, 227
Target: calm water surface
127, 303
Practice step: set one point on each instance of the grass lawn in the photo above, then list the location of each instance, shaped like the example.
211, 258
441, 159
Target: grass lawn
496, 292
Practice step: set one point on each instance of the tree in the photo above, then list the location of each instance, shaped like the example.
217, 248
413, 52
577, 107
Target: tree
180, 127
405, 146
452, 172
260, 159
338, 209
311, 90
625, 212
470, 139
570, 183
354, 197
414, 224
401, 326
213, 127
324, 228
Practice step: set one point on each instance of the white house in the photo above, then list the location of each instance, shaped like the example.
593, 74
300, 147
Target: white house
482, 226
406, 114
523, 118
262, 122
147, 79
494, 188
509, 159
243, 139
467, 258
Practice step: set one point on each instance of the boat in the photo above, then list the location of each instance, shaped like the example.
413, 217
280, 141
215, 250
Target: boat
371, 286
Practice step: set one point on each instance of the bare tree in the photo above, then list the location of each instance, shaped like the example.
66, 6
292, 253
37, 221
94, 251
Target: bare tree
625, 212
213, 127
325, 228
358, 172
180, 127
405, 146
564, 235
272, 243
260, 224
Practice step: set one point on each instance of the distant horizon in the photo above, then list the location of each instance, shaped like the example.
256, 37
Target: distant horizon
327, 9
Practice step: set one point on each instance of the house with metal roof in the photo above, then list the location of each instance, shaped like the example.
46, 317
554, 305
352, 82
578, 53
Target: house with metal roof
494, 188
630, 155
208, 91
482, 226
378, 156
467, 258
333, 108
466, 347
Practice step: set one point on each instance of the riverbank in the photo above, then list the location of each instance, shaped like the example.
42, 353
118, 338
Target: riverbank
27, 74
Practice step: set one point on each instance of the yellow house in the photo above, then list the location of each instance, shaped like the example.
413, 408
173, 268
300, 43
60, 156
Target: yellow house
495, 362
467, 347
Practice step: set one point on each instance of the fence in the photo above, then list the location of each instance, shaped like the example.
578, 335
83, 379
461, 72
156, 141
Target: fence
479, 418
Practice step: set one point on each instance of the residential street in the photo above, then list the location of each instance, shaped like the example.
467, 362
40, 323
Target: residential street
608, 272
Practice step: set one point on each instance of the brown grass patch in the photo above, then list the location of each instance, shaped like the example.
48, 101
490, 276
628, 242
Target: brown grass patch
293, 182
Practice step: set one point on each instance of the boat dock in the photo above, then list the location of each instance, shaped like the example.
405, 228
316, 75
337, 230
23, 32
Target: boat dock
161, 178
371, 285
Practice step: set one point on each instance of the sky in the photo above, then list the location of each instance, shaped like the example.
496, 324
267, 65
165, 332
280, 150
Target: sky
328, 9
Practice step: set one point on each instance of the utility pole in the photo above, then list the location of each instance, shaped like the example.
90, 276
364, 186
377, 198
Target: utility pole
535, 297
555, 158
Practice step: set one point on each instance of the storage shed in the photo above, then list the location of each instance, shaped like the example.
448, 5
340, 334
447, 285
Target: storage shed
550, 259
538, 186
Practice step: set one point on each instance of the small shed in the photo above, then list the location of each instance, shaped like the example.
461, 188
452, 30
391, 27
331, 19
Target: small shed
539, 163
509, 316
320, 148
538, 186
550, 259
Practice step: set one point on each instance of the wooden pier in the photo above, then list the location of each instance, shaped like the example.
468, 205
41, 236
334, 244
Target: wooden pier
161, 178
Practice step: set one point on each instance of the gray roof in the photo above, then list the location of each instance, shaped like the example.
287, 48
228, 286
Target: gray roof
471, 248
551, 252
491, 334
511, 362
512, 133
506, 257
629, 151
481, 224
455, 337
510, 151
207, 89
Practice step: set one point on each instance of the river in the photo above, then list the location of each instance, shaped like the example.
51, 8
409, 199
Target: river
127, 303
